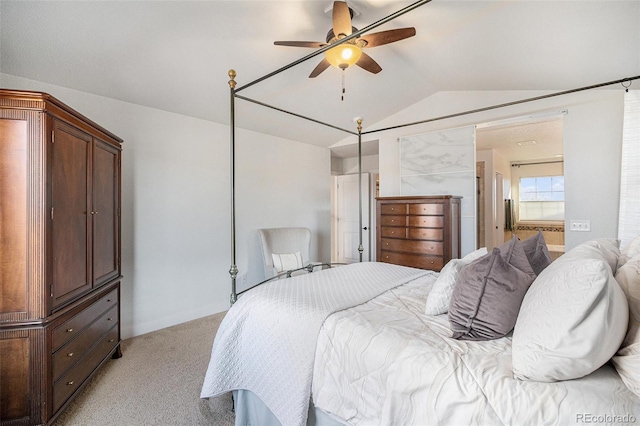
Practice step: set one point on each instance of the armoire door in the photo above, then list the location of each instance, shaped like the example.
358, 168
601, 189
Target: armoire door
69, 197
105, 213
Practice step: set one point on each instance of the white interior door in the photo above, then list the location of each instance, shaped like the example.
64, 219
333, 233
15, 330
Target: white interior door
348, 219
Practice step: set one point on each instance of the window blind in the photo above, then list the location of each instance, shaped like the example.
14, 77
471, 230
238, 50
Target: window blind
629, 221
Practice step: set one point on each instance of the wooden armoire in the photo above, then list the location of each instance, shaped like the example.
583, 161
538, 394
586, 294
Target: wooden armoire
59, 254
421, 232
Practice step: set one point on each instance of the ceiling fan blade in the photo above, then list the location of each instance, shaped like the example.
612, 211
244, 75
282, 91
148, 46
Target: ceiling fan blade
389, 36
367, 63
323, 65
315, 44
341, 18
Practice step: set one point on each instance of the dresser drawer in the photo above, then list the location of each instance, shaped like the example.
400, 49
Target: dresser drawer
433, 234
426, 209
399, 209
73, 378
393, 232
434, 263
426, 221
70, 353
70, 328
412, 246
393, 220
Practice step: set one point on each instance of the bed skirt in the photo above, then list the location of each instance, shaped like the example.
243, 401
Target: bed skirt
250, 410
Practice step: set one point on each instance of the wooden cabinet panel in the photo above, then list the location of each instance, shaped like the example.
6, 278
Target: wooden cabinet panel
14, 368
60, 264
70, 204
13, 215
105, 213
421, 232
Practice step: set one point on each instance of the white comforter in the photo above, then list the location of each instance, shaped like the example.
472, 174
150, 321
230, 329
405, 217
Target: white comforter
267, 340
386, 363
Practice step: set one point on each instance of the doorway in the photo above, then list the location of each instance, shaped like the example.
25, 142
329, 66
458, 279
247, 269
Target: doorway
347, 218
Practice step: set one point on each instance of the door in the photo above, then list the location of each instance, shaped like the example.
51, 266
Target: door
498, 237
69, 208
348, 218
105, 213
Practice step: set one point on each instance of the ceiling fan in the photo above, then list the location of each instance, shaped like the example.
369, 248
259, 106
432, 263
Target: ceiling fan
350, 52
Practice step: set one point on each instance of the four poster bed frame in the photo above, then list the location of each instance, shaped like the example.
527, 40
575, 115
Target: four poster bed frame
234, 94
303, 350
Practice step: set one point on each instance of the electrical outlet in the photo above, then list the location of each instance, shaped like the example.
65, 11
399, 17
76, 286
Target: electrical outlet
580, 225
243, 280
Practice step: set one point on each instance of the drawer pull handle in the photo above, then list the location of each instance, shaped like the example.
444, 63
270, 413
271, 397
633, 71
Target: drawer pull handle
69, 330
386, 257
70, 354
109, 300
70, 383
109, 319
110, 340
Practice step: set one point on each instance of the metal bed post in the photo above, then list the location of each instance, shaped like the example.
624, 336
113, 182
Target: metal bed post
360, 247
233, 270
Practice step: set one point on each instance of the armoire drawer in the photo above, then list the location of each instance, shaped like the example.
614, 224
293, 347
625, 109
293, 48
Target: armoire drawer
412, 246
76, 348
64, 387
70, 328
434, 263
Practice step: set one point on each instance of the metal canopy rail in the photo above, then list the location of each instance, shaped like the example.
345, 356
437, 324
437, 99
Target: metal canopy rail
233, 270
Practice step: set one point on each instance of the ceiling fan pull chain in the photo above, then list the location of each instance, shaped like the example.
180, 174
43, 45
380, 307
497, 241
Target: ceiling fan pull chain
343, 89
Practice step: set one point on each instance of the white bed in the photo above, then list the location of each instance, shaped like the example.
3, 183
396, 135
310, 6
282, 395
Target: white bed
356, 342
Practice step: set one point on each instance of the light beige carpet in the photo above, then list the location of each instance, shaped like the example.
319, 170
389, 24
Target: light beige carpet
156, 382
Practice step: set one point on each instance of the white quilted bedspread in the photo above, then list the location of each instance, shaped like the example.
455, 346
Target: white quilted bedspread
267, 341
385, 362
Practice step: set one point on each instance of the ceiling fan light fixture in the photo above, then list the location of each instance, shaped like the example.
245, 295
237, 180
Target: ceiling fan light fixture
344, 55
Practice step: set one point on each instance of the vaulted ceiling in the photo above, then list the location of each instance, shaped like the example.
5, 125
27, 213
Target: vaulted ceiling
175, 55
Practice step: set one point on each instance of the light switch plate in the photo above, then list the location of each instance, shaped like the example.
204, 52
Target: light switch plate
580, 225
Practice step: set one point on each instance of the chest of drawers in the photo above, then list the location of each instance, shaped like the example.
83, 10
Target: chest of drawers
421, 232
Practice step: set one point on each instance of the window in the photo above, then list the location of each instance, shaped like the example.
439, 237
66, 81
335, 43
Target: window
541, 198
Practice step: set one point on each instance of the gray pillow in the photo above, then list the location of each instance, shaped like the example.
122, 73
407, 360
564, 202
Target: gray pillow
537, 252
488, 293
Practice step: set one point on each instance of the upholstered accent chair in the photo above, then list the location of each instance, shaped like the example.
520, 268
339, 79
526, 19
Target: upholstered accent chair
284, 249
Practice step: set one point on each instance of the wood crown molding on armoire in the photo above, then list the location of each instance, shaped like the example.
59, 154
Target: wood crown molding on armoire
60, 184
421, 232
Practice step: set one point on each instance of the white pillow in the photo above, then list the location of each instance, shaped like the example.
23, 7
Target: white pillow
287, 261
571, 322
439, 297
627, 360
630, 251
606, 249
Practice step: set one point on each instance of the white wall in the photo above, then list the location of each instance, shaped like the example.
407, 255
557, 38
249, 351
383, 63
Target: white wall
176, 204
592, 146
